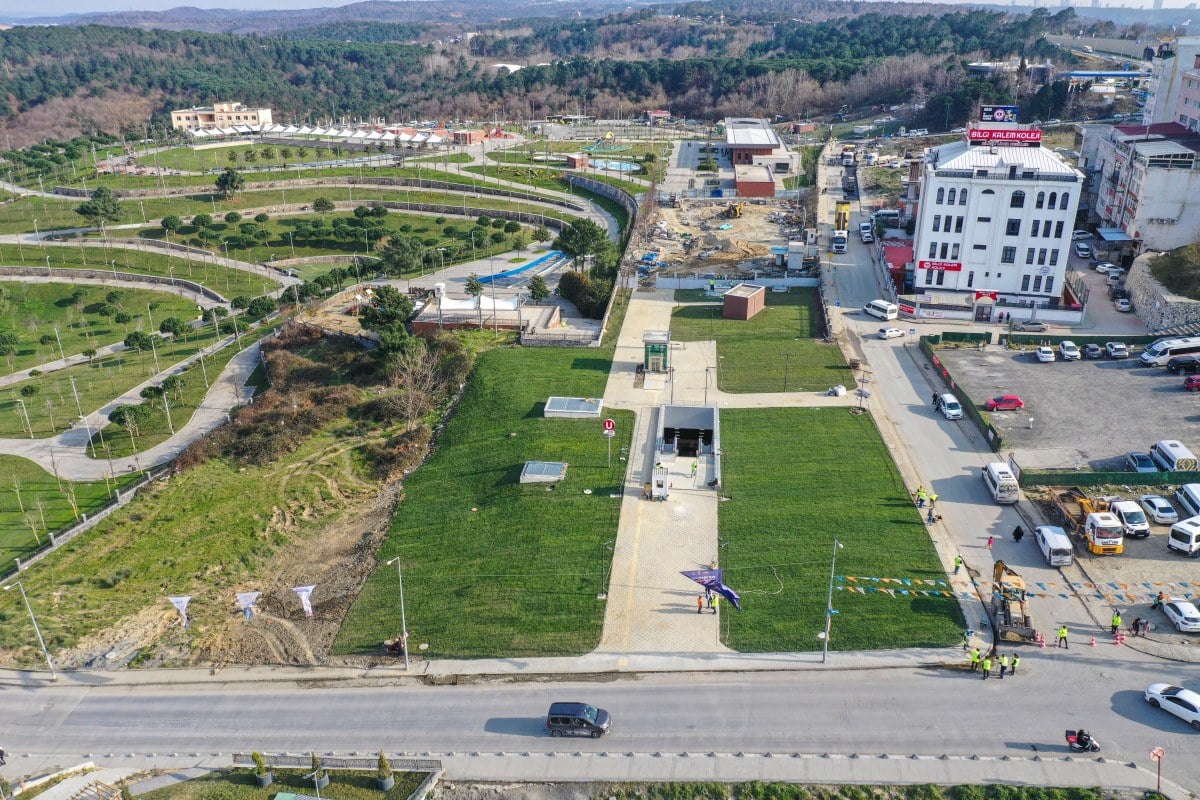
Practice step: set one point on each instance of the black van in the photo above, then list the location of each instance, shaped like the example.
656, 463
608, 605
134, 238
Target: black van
1186, 365
577, 719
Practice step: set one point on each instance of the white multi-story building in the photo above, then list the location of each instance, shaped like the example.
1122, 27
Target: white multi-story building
219, 115
996, 217
1167, 76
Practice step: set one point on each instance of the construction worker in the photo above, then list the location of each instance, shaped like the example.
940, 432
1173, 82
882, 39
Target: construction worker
1012, 668
1062, 638
975, 657
1003, 665
957, 564
1116, 622
987, 667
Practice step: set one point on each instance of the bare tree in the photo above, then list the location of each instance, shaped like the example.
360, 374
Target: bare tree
415, 382
17, 492
31, 521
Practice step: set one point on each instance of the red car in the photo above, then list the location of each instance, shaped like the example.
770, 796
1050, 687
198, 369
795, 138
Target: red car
1005, 402
1192, 383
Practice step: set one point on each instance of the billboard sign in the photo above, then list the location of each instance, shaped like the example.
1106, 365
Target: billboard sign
998, 113
941, 266
1002, 135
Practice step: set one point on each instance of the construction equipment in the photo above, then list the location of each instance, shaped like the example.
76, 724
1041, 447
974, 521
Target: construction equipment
1089, 520
735, 210
1010, 606
841, 216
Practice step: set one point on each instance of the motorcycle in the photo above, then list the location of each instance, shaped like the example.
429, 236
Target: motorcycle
1082, 741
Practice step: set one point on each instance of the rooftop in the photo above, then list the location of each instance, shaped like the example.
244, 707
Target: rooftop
744, 290
753, 173
1171, 135
745, 132
960, 155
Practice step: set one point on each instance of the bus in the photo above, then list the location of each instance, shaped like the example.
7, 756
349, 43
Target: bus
1158, 353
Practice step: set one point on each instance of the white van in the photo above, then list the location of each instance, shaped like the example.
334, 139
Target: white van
1132, 517
949, 406
882, 309
1158, 353
1001, 483
1172, 456
1188, 498
890, 217
1185, 537
1054, 544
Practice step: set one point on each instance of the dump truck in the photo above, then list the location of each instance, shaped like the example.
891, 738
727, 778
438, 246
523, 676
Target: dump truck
849, 153
1010, 606
841, 216
1089, 520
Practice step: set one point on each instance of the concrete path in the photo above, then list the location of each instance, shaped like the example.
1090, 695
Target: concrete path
60, 363
75, 786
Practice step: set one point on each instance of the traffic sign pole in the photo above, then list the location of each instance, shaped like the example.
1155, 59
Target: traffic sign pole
610, 430
1156, 755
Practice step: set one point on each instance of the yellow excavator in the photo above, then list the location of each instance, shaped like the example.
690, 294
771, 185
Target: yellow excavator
1010, 606
735, 210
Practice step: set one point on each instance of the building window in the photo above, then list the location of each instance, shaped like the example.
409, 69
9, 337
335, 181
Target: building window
954, 252
941, 195
950, 197
1013, 228
941, 277
982, 173
1058, 229
933, 249
1033, 232
1029, 256
1046, 229
1053, 199
1054, 257
928, 277
1017, 200
937, 222
945, 248
1041, 200
970, 279
1037, 284
1008, 255
1024, 283
979, 247
1066, 198
984, 219
958, 223
1041, 256
962, 197
1049, 287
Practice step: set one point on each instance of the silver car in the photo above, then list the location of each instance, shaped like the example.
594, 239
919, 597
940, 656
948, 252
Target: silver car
1159, 509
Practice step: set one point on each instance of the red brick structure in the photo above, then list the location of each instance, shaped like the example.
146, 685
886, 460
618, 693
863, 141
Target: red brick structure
744, 301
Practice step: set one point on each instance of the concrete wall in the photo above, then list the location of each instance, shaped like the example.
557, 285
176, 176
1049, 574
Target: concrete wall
661, 282
1153, 303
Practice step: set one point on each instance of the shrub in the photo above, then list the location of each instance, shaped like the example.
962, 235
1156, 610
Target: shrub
29, 390
384, 769
260, 763
512, 226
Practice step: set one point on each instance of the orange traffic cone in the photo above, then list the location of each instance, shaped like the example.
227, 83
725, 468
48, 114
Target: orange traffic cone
1120, 638
1093, 641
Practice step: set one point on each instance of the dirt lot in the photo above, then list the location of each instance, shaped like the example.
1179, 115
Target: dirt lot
1085, 413
744, 247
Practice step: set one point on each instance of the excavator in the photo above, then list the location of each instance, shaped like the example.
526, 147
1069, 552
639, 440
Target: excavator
1009, 606
735, 210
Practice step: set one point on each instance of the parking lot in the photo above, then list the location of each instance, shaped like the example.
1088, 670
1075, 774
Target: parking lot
1085, 414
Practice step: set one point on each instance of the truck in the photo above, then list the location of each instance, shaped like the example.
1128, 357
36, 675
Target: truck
849, 153
840, 240
1009, 608
1089, 520
841, 216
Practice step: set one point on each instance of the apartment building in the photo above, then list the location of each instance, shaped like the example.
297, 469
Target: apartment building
219, 115
1167, 77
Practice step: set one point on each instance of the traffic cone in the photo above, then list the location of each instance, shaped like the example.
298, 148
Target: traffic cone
1120, 638
1041, 640
1093, 641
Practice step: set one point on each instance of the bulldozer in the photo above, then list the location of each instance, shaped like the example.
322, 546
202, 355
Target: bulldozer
735, 210
1010, 606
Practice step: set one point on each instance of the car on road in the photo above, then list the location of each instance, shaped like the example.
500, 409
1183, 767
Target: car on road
1159, 509
948, 405
1116, 349
1192, 383
1103, 266
890, 333
1005, 402
1079, 235
1183, 703
1123, 305
1030, 326
1069, 351
577, 719
867, 232
1044, 354
1093, 350
1140, 462
1183, 615
1083, 250
1183, 365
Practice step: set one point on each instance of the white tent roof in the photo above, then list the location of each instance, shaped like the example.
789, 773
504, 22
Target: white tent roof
305, 131
319, 131
229, 131
198, 133
345, 133
404, 137
452, 304
242, 128
488, 304
388, 137
374, 136
435, 139
291, 129
359, 134
420, 137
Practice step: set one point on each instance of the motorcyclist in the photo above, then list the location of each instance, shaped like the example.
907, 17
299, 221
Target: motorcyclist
1083, 738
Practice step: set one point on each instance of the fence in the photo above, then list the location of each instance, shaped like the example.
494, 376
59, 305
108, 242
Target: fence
1038, 339
1029, 477
990, 434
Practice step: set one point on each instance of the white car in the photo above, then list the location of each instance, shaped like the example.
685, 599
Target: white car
1044, 354
1123, 305
1183, 615
1080, 236
1159, 509
1116, 349
1103, 266
1069, 350
1183, 703
867, 232
1083, 250
889, 333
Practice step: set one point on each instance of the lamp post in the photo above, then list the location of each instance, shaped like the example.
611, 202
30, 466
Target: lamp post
403, 619
49, 662
787, 357
829, 612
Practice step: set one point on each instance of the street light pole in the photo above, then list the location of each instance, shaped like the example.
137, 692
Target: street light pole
36, 628
403, 619
829, 603
787, 357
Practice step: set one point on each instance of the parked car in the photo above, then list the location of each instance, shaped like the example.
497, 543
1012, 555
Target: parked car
1116, 349
1083, 250
1005, 402
1140, 462
1044, 354
1183, 703
1192, 383
1103, 266
867, 232
1093, 350
949, 406
1183, 365
1079, 235
1030, 326
889, 333
1183, 615
1123, 305
1159, 509
1068, 350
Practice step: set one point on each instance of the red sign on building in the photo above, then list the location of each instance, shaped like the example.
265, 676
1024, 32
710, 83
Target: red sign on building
988, 295
940, 266
1001, 135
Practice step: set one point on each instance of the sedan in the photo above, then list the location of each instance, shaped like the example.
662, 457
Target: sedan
1123, 305
1192, 383
1104, 266
1005, 402
1116, 349
889, 333
1030, 326
1183, 703
1140, 462
1159, 509
1183, 615
1080, 236
1083, 250
1068, 350
1093, 350
1044, 354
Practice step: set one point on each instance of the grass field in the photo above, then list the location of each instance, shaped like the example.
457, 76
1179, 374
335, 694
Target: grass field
34, 310
835, 480
46, 505
543, 178
493, 567
240, 784
773, 352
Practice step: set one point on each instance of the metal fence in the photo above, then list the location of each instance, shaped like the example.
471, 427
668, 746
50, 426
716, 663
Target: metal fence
992, 436
1041, 477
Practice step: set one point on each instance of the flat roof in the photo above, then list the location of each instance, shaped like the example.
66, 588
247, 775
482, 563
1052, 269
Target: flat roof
744, 290
698, 417
960, 155
543, 471
753, 173
575, 405
656, 337
1140, 136
748, 132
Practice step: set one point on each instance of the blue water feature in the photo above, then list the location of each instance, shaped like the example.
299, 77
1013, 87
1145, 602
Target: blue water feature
615, 166
553, 254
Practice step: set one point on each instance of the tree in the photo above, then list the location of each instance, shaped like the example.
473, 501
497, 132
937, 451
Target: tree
174, 384
202, 221
171, 223
230, 182
268, 153
542, 234
322, 205
401, 254
233, 156
233, 217
387, 313
131, 418
122, 318
139, 341
8, 343
173, 325
152, 392
262, 218
474, 286
251, 156
582, 237
102, 208
538, 289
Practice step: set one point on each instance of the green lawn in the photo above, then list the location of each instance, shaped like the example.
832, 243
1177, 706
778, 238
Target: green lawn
757, 353
836, 479
240, 784
543, 178
46, 502
493, 567
34, 310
